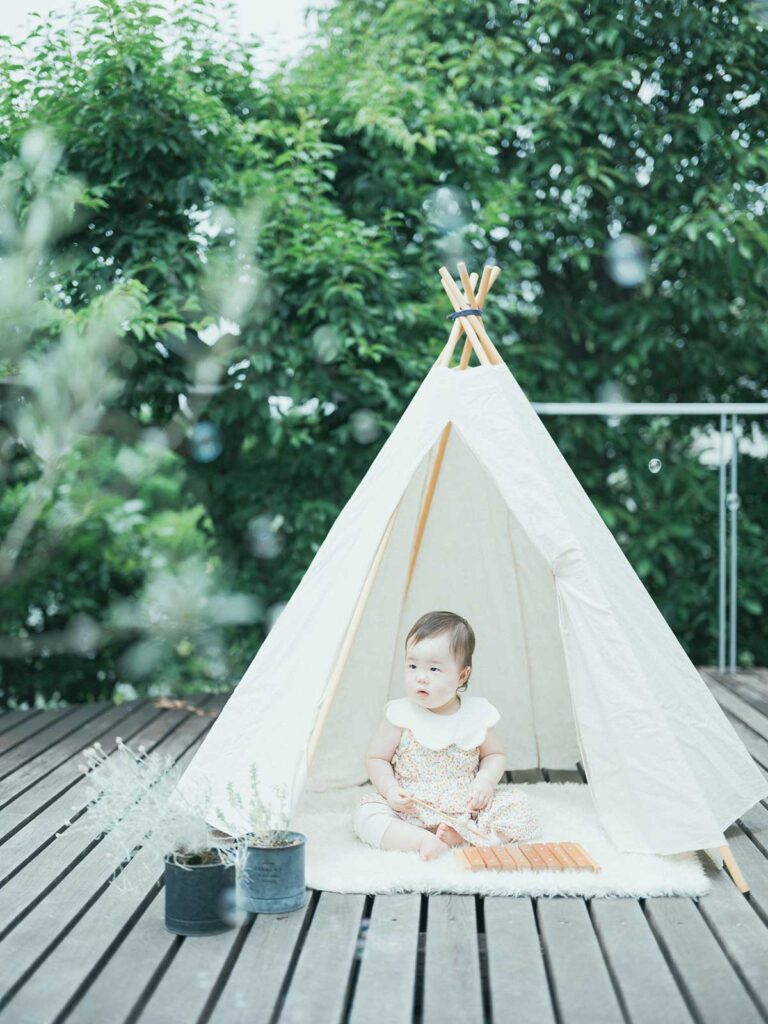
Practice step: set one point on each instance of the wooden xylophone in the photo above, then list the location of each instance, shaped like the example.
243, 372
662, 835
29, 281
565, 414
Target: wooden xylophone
526, 857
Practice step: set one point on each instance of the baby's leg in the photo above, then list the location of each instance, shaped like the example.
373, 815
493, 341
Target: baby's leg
401, 835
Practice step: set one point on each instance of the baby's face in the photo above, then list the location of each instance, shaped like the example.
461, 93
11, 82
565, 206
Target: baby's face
431, 673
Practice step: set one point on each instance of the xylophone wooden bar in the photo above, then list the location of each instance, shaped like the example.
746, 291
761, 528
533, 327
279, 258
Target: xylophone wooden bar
526, 857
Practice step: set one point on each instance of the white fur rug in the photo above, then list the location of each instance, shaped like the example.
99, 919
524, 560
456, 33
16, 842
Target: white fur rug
337, 861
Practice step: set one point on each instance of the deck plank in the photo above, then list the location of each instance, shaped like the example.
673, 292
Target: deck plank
90, 951
705, 975
739, 930
34, 801
736, 703
189, 981
516, 971
128, 973
754, 864
452, 982
755, 823
565, 775
47, 740
750, 686
88, 936
13, 719
64, 752
56, 858
527, 775
252, 989
580, 981
647, 989
319, 984
31, 727
737, 712
390, 952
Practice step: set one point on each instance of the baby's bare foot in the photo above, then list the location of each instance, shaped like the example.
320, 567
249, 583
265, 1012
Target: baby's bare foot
449, 835
431, 847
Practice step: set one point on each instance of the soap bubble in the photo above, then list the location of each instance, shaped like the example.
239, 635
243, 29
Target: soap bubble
364, 425
447, 208
627, 260
205, 441
326, 344
229, 909
262, 535
85, 634
612, 391
654, 465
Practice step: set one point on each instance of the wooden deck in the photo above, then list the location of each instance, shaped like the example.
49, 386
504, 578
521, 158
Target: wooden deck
77, 949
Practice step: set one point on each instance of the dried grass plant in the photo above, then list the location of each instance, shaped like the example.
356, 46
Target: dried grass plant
266, 826
133, 807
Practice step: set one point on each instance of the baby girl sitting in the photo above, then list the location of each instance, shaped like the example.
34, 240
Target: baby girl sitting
440, 748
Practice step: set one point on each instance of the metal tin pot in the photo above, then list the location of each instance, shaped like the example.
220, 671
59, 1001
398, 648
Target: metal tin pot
199, 898
272, 880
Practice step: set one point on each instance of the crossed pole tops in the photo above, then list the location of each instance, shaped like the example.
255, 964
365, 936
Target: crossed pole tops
471, 324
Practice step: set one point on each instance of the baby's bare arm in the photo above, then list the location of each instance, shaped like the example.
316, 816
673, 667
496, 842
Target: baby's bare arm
378, 758
492, 757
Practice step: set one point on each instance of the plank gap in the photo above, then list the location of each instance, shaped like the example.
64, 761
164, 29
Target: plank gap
354, 970
743, 978
482, 952
547, 963
157, 976
607, 961
421, 952
225, 972
8, 995
40, 896
670, 962
22, 716
76, 715
300, 940
109, 951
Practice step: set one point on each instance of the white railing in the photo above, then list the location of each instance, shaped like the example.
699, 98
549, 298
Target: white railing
729, 501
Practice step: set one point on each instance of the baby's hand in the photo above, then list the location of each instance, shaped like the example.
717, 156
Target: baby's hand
480, 793
400, 801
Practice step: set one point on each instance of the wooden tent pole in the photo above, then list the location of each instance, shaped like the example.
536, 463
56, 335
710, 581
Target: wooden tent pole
453, 294
493, 353
489, 276
427, 505
346, 646
445, 356
733, 869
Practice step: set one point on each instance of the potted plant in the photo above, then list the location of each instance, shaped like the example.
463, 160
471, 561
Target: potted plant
271, 862
130, 806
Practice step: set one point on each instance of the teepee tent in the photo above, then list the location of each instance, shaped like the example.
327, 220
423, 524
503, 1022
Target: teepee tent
470, 506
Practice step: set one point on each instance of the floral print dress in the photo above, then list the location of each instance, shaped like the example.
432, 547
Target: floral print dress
437, 760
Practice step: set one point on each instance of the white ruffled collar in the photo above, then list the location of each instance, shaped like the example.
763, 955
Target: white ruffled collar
466, 727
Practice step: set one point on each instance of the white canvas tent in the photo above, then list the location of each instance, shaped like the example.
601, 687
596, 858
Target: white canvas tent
470, 506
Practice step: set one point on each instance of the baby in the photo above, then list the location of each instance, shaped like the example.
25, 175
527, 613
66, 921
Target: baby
435, 759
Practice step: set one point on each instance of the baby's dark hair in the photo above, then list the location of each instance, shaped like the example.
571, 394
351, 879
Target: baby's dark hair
461, 642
